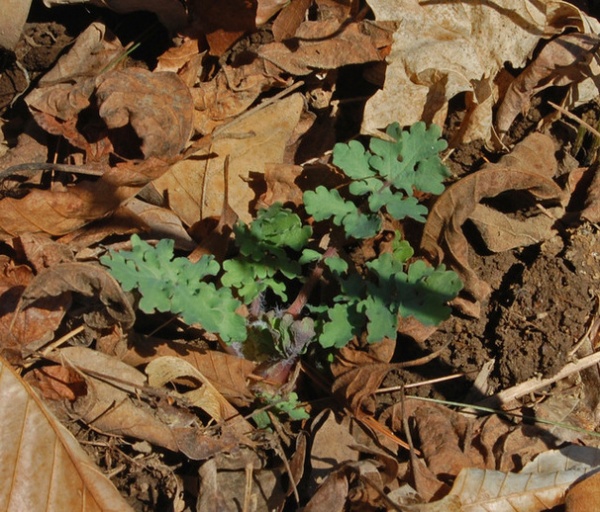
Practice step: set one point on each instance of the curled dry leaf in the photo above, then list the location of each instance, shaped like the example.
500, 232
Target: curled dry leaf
329, 45
443, 49
358, 374
443, 237
228, 373
43, 466
157, 105
37, 324
88, 280
167, 369
56, 103
564, 60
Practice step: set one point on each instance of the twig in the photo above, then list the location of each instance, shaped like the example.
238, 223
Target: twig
575, 118
531, 385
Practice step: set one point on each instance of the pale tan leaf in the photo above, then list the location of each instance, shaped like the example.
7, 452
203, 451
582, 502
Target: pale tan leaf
228, 373
42, 465
442, 49
12, 21
196, 186
206, 396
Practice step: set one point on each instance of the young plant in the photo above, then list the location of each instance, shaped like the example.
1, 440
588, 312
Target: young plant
177, 285
278, 253
383, 179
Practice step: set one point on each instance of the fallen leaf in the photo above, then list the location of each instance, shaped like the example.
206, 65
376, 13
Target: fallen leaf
443, 236
19, 330
43, 466
158, 106
358, 374
223, 22
441, 50
89, 280
111, 405
228, 373
196, 186
161, 223
289, 19
12, 23
329, 45
167, 369
562, 61
63, 210
584, 494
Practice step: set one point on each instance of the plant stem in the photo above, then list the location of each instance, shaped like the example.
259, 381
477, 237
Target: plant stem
303, 295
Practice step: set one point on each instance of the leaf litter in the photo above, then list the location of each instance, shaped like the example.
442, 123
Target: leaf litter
238, 112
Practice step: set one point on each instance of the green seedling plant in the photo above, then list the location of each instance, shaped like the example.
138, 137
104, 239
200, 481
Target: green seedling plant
278, 264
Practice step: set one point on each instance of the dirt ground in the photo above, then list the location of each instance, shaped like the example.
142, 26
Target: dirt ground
543, 295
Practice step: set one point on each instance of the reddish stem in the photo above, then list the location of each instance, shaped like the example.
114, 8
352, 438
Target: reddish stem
302, 297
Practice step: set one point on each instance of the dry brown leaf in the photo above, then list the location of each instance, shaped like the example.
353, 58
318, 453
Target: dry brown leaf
35, 325
111, 405
329, 45
57, 382
531, 163
63, 210
563, 61
332, 444
500, 232
196, 186
43, 466
223, 22
281, 185
228, 373
289, 19
158, 106
206, 396
584, 495
332, 495
443, 49
358, 374
440, 436
89, 280
591, 207
232, 92
41, 251
161, 223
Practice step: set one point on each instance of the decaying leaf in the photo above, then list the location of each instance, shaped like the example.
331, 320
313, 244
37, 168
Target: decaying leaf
443, 236
19, 330
111, 406
43, 466
88, 280
443, 49
158, 106
196, 186
358, 374
166, 369
564, 60
329, 45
